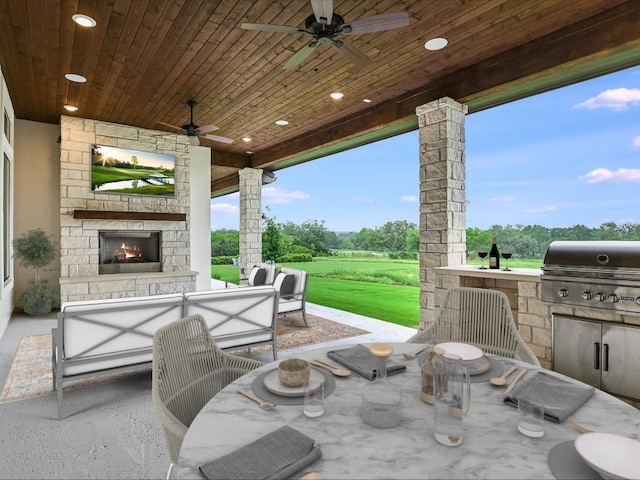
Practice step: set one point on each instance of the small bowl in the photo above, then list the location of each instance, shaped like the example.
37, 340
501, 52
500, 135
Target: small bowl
294, 372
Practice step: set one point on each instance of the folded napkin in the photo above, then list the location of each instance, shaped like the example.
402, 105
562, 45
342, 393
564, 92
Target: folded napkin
360, 360
276, 455
560, 397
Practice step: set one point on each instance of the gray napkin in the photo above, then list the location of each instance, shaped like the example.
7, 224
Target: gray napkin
360, 360
276, 455
559, 397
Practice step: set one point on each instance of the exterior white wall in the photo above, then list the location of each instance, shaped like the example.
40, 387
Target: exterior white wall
201, 216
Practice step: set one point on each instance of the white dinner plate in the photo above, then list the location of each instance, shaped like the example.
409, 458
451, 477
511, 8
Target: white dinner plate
463, 350
273, 384
612, 456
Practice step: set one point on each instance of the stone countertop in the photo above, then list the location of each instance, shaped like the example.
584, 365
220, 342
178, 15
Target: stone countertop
492, 446
515, 274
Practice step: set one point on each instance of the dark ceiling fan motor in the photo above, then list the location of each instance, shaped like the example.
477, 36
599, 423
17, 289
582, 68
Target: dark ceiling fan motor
191, 128
322, 29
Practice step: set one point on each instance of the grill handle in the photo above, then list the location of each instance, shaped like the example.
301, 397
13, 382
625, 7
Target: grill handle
606, 358
596, 355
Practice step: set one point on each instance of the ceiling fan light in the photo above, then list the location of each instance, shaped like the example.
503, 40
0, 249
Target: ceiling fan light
74, 77
71, 108
367, 100
246, 139
282, 122
337, 95
84, 20
436, 43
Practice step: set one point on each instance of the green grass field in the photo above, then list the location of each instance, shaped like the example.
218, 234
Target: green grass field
375, 287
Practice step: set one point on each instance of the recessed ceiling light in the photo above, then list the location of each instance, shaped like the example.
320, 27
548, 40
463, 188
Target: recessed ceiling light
367, 100
74, 77
249, 152
436, 43
246, 139
84, 20
337, 95
282, 122
71, 108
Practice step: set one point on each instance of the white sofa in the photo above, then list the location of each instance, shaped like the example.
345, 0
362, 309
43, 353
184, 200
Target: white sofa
104, 336
292, 295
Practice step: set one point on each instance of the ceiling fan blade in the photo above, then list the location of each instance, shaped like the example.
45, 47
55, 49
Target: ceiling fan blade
207, 128
217, 138
377, 23
300, 56
175, 127
323, 11
193, 141
352, 54
271, 28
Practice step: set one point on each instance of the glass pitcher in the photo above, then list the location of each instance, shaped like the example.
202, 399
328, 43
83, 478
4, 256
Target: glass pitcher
450, 401
381, 400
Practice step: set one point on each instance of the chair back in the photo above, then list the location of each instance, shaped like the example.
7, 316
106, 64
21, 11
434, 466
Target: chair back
479, 316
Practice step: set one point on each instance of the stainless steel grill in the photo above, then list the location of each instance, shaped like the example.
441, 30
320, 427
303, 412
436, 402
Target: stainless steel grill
593, 274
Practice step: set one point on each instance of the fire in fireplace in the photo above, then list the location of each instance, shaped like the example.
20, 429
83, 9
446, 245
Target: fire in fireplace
129, 251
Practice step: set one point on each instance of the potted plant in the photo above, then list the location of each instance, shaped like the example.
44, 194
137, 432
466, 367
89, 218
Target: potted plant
35, 249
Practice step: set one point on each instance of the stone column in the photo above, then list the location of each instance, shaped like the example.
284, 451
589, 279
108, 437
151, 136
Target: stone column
442, 196
250, 220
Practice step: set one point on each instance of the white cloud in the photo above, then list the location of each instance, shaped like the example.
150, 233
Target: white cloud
617, 99
224, 209
501, 199
636, 142
539, 209
600, 175
409, 198
362, 199
278, 196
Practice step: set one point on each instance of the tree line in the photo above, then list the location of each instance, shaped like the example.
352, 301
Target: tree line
400, 239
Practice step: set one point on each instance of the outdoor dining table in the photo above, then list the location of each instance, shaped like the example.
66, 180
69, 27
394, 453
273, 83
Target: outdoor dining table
492, 446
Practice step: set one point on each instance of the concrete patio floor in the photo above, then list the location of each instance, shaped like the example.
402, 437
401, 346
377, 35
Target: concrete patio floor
111, 430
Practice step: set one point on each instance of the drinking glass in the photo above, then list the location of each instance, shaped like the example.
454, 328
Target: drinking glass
313, 398
530, 418
506, 256
483, 255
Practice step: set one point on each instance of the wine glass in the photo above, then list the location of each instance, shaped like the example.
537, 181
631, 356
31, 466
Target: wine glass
506, 256
483, 255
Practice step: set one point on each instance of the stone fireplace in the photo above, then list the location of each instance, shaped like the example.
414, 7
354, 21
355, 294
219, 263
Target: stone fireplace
94, 226
124, 251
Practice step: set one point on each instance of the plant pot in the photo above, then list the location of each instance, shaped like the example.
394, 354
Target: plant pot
39, 307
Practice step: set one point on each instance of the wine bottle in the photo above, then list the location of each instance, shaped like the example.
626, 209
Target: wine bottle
494, 256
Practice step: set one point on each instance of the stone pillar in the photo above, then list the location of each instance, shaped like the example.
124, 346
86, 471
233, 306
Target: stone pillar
250, 220
442, 196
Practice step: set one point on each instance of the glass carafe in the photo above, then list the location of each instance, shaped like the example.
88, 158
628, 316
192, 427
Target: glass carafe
449, 399
381, 400
426, 374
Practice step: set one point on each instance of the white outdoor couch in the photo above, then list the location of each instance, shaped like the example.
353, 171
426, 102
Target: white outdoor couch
115, 335
292, 292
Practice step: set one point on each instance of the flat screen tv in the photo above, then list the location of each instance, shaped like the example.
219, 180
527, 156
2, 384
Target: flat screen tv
131, 172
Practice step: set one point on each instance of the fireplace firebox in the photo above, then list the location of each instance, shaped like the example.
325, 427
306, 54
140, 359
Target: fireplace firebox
129, 251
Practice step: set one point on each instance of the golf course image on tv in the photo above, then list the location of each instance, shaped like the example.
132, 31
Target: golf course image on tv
131, 172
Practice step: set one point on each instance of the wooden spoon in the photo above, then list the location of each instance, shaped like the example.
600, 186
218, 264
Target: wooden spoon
502, 380
338, 372
411, 356
263, 405
579, 427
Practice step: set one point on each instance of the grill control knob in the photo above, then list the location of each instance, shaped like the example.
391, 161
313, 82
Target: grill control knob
587, 295
613, 298
601, 297
563, 292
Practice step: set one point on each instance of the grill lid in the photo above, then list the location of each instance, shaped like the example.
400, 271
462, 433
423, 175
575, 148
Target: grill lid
592, 254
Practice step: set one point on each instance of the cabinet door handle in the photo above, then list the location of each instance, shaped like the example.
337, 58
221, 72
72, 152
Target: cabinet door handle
596, 355
605, 357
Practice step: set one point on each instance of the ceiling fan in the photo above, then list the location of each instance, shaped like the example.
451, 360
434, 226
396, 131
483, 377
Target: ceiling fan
324, 25
194, 131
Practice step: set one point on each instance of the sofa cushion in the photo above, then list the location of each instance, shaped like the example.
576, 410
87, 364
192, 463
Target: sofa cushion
288, 285
258, 276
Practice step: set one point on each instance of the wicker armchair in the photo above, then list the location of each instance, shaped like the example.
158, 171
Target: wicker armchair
479, 316
188, 370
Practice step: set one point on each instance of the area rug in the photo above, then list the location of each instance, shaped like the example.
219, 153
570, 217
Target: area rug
30, 372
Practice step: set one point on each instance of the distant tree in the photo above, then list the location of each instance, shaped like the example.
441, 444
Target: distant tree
413, 240
311, 234
271, 241
392, 236
362, 240
225, 243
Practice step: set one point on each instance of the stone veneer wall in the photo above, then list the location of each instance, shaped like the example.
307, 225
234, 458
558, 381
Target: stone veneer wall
79, 279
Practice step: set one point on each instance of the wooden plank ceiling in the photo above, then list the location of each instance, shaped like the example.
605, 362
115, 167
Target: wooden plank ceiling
146, 58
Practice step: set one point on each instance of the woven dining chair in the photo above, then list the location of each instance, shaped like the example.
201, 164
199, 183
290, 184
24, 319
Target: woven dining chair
188, 370
481, 317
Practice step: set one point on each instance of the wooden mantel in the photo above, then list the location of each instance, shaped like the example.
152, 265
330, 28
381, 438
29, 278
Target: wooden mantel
111, 215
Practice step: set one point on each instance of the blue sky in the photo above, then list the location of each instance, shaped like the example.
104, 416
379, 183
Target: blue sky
566, 157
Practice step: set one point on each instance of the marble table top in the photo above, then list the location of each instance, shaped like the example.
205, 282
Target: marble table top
492, 446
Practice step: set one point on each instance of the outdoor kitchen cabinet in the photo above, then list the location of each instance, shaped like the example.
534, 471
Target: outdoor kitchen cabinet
603, 354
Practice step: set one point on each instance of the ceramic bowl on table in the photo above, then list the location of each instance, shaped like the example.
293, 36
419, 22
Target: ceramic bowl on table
294, 372
612, 456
